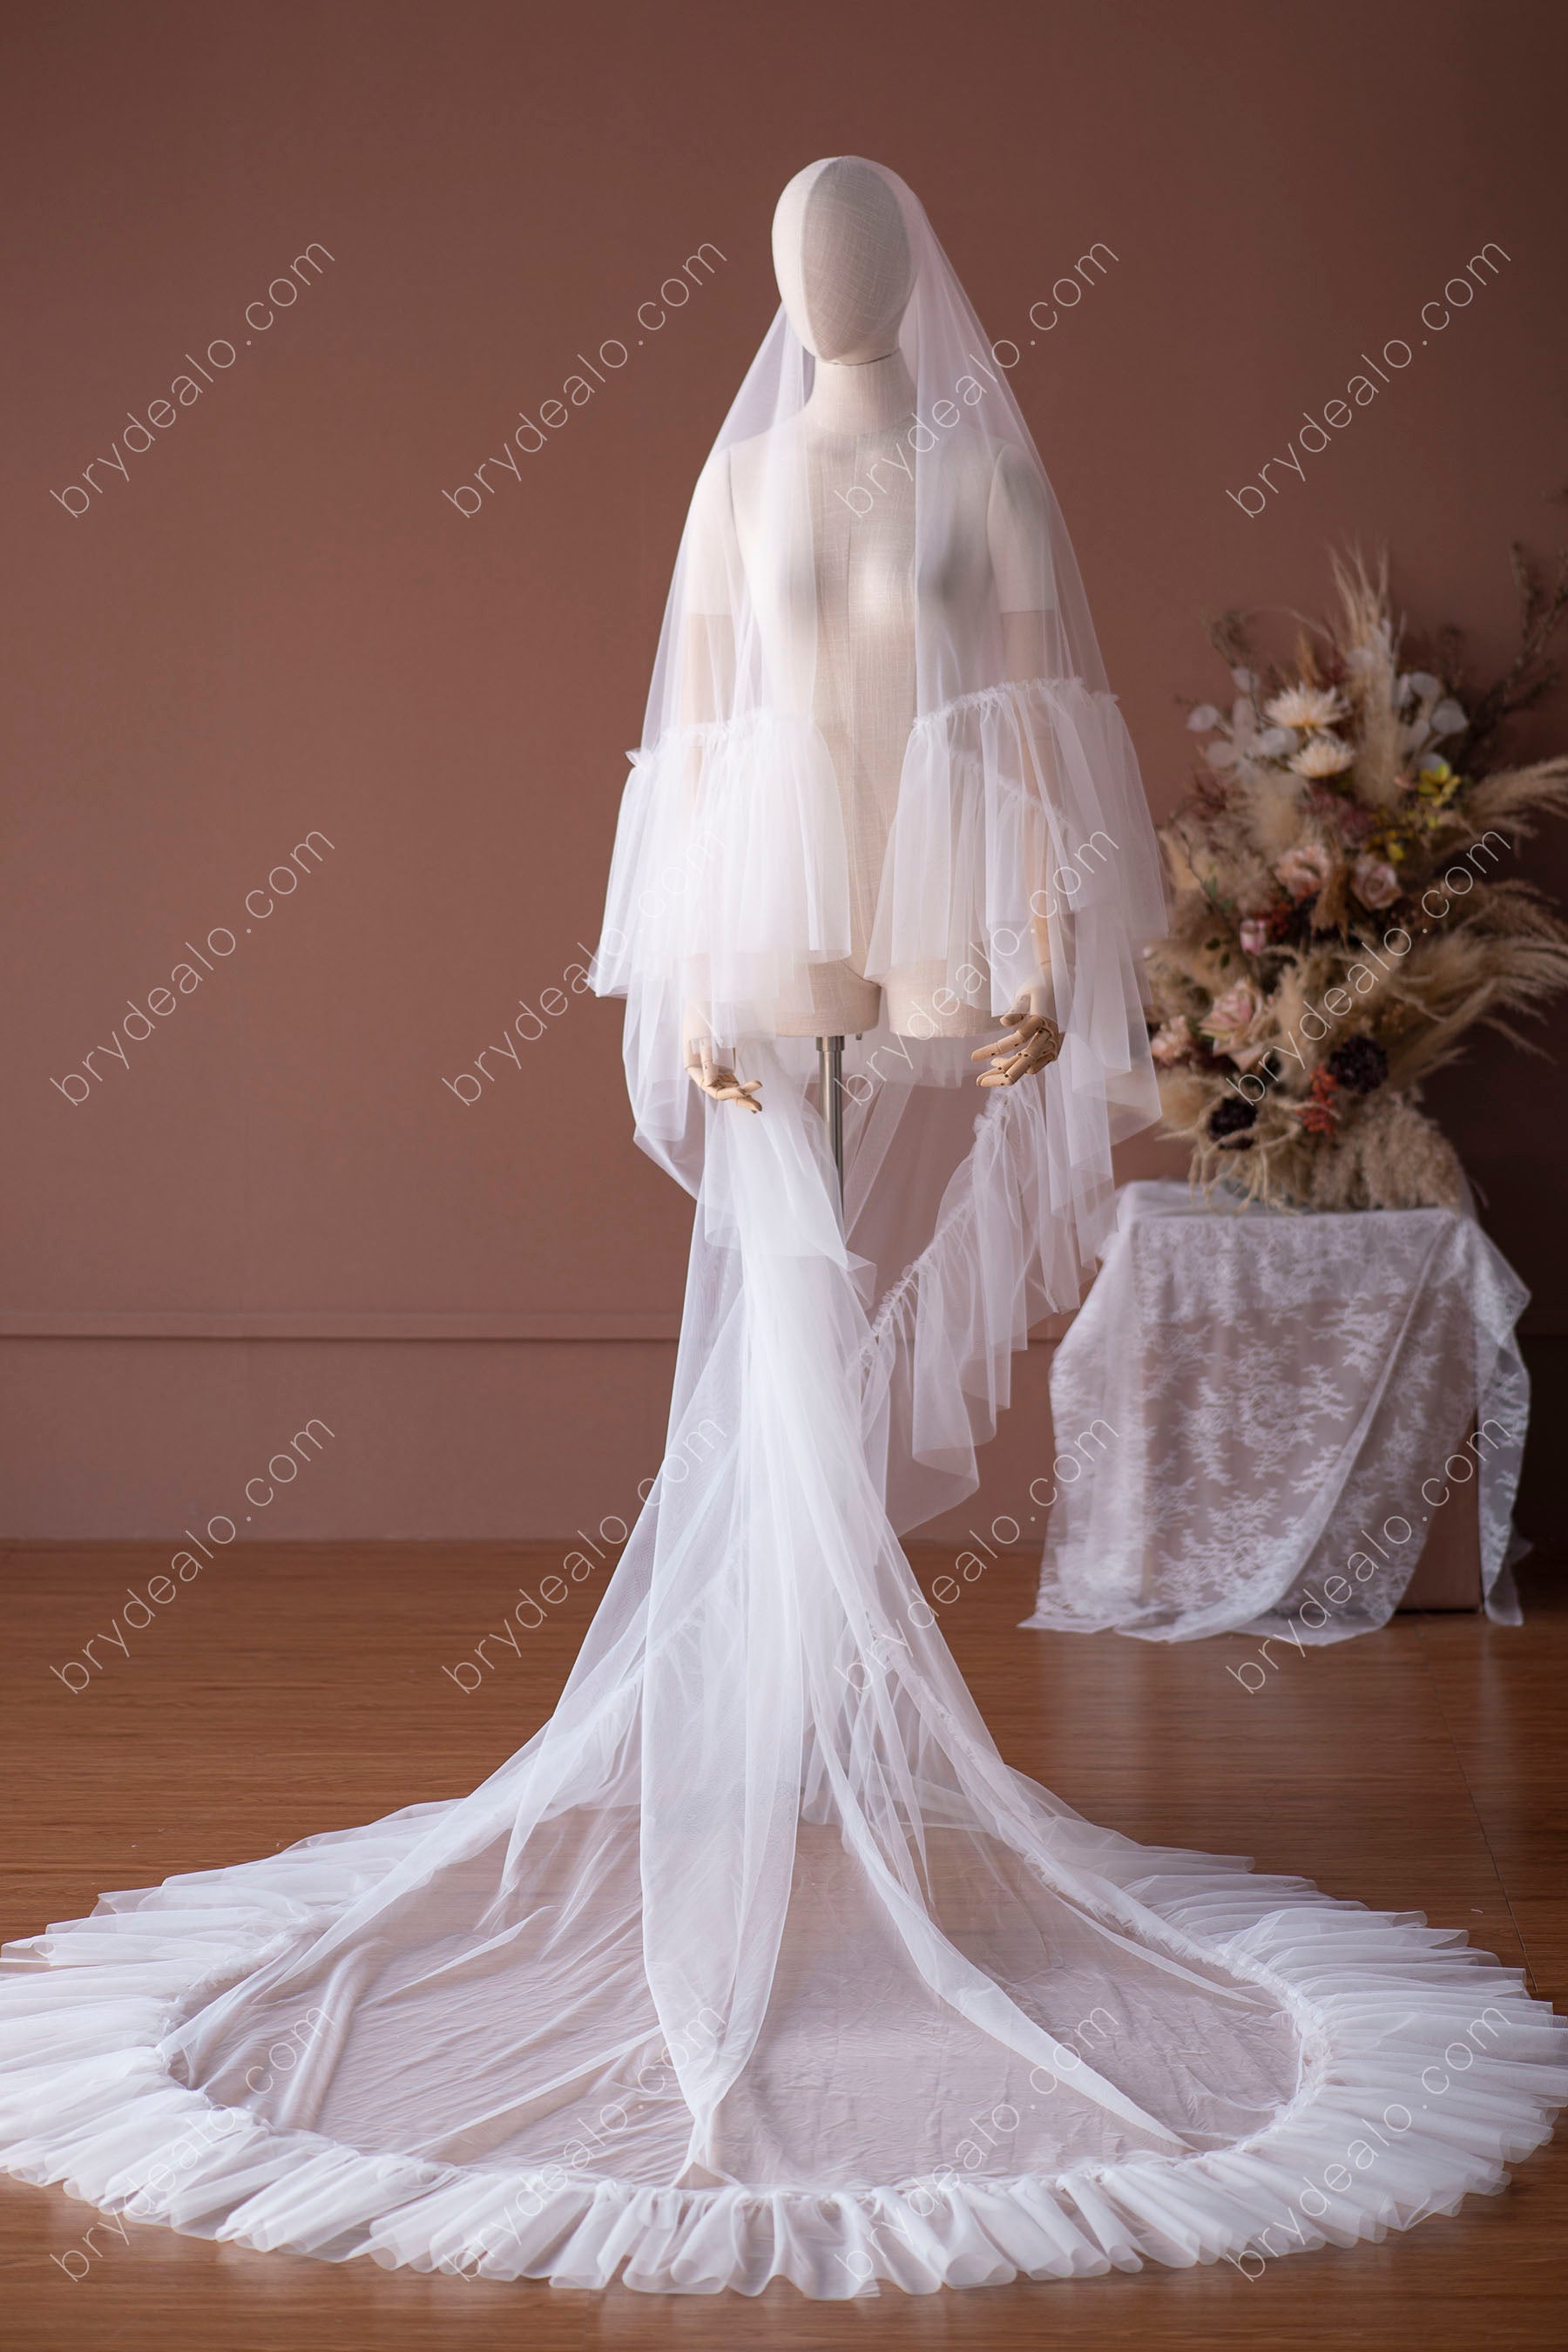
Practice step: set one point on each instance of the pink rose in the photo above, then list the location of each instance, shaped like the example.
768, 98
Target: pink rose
1374, 881
1231, 1015
1171, 1043
1305, 869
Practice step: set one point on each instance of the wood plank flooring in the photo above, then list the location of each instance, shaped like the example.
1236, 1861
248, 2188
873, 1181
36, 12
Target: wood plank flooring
300, 1688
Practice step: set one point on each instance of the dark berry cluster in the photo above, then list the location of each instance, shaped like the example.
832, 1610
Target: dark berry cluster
1229, 1119
1360, 1065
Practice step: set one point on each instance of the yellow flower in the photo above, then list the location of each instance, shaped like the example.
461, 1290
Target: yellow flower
1437, 782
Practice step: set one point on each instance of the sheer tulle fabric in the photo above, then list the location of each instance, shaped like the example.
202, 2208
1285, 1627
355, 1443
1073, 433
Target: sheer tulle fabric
757, 1961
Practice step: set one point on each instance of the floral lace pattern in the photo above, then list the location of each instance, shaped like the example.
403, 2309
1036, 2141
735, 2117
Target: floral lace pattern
1272, 1407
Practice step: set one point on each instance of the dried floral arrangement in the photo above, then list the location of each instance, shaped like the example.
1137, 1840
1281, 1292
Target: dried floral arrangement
1340, 924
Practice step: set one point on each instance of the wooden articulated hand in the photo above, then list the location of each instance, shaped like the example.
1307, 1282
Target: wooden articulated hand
1034, 1040
713, 1074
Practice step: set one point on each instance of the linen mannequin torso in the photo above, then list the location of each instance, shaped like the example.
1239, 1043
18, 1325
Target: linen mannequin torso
858, 663
839, 620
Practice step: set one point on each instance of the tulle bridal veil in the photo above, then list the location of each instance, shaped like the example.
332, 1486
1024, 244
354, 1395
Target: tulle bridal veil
757, 1961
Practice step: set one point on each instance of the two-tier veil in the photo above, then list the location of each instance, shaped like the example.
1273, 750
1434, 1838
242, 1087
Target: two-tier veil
757, 1960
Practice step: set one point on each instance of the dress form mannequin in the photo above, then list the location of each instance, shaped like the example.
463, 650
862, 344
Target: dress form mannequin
845, 275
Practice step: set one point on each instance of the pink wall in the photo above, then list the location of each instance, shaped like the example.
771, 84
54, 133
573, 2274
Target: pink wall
276, 626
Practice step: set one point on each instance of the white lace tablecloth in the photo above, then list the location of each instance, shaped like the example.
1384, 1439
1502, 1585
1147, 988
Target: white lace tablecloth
1265, 1409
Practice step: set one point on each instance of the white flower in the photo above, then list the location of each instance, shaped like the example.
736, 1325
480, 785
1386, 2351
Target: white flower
1202, 716
1322, 755
1275, 741
1220, 753
1305, 706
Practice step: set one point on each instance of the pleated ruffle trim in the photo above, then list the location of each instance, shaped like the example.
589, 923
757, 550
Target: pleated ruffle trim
1426, 2068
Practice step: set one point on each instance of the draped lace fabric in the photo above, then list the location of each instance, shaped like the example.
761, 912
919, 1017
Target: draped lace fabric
1271, 1408
757, 1961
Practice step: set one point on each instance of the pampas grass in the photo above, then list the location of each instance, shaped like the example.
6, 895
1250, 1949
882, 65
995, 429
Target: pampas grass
1338, 936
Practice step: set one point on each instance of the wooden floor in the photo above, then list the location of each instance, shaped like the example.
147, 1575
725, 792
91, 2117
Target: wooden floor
299, 1689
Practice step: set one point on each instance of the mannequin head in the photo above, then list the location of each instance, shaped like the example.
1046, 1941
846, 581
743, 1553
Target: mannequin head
842, 258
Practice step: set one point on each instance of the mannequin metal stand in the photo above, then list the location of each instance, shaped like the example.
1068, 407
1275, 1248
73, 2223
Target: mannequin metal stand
830, 1067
